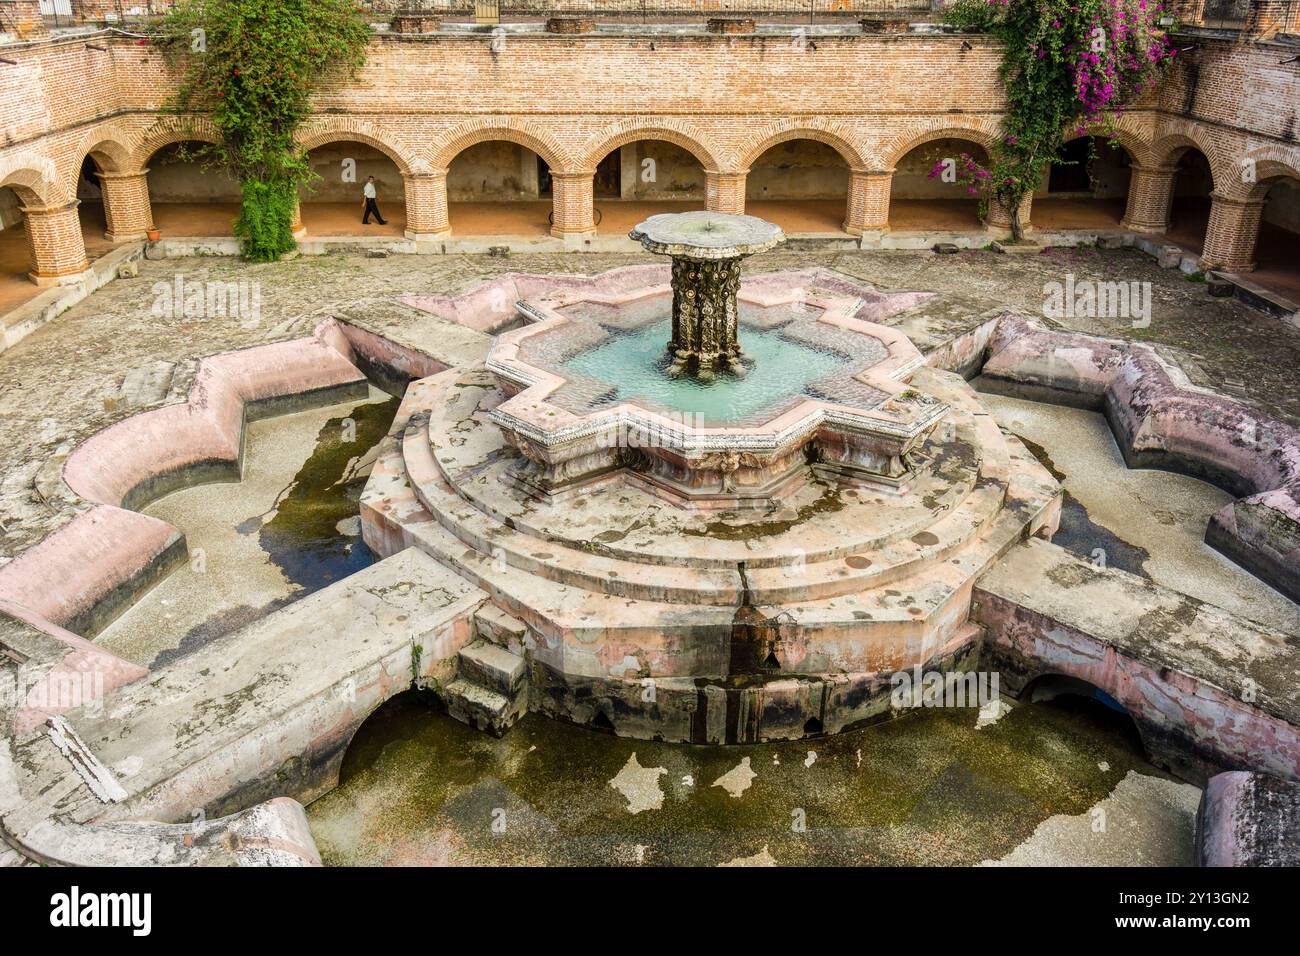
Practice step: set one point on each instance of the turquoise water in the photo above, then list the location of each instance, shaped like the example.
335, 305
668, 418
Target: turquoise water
635, 363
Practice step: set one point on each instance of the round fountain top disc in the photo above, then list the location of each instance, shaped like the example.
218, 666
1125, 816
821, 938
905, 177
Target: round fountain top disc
707, 235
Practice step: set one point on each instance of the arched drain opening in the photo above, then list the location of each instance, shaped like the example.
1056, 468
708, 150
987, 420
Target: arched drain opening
813, 726
601, 722
386, 722
1087, 703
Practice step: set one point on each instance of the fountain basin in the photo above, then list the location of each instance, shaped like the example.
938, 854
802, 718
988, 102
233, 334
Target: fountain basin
853, 416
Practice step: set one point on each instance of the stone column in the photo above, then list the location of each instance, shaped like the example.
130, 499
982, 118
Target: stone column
1231, 235
126, 205
426, 205
724, 192
705, 317
867, 210
1150, 191
998, 219
573, 197
54, 237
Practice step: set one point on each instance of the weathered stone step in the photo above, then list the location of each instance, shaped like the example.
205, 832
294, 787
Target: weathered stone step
470, 460
480, 707
493, 667
495, 625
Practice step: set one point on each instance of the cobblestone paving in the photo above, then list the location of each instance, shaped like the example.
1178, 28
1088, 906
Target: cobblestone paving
114, 354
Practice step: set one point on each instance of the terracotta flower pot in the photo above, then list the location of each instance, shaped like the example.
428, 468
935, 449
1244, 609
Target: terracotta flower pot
153, 235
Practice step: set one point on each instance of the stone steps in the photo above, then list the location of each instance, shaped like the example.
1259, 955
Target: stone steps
472, 465
650, 582
492, 667
490, 691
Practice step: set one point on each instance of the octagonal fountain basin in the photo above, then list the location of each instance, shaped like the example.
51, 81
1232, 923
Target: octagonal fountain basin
594, 386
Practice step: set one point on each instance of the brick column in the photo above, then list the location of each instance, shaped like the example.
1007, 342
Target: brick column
724, 192
426, 205
295, 221
867, 209
1231, 235
1150, 191
54, 238
126, 205
573, 198
999, 221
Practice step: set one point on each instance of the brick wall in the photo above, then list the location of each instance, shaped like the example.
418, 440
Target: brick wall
574, 99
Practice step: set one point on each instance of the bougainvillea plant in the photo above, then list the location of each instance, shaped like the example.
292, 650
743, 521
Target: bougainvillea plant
252, 66
1069, 67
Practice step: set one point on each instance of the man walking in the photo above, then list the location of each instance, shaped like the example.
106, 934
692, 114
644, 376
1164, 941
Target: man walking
371, 205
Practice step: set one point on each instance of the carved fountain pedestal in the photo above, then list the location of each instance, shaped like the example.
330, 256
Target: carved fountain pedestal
706, 249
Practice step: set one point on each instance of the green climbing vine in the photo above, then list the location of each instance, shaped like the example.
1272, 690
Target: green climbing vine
252, 65
1069, 66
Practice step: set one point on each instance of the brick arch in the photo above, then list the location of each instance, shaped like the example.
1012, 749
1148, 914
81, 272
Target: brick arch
451, 143
1136, 147
766, 139
172, 130
1163, 150
111, 149
1271, 164
893, 150
671, 131
34, 179
352, 132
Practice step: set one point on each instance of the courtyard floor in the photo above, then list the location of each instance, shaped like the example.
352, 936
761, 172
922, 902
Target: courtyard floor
80, 372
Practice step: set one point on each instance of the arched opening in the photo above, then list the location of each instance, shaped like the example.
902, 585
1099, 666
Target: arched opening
1086, 187
1189, 210
15, 253
644, 178
332, 203
921, 202
802, 185
1086, 703
190, 197
1277, 251
498, 188
90, 208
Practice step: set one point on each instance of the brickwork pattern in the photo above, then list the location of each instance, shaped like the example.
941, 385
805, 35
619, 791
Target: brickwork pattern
724, 99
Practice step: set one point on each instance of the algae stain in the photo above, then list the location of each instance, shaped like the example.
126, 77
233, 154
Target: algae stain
303, 538
828, 503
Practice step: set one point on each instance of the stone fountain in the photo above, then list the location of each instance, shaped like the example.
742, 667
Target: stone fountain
685, 553
706, 249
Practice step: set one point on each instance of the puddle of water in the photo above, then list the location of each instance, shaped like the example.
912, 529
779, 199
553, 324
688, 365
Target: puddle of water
289, 528
304, 537
927, 788
1147, 522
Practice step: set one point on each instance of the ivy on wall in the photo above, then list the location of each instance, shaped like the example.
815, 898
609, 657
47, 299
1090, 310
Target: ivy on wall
252, 65
1069, 66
